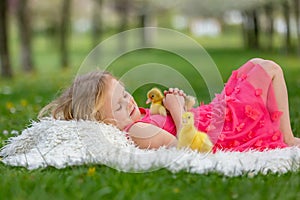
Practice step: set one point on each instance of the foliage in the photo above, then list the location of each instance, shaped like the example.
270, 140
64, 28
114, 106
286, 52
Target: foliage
218, 7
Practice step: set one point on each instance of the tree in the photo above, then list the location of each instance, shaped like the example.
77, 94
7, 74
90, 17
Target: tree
286, 12
297, 16
122, 8
4, 52
251, 29
25, 35
64, 27
145, 15
269, 10
97, 24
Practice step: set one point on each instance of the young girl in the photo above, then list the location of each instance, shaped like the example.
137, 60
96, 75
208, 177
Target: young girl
250, 113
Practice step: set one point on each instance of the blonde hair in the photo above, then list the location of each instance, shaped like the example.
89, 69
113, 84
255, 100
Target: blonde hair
82, 100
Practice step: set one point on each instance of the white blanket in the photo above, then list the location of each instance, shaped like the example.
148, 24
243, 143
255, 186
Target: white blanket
60, 143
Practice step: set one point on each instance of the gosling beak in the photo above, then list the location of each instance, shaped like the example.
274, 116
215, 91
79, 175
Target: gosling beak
184, 121
148, 101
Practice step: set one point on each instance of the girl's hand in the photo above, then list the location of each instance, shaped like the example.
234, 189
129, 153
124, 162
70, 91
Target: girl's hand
174, 98
174, 101
174, 91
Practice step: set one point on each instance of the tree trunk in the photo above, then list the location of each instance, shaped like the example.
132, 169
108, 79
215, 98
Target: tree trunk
256, 29
6, 70
251, 29
64, 30
97, 29
122, 8
297, 16
269, 9
142, 24
143, 21
25, 35
245, 29
286, 12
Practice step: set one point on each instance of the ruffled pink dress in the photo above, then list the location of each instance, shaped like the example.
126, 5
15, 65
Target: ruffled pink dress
243, 117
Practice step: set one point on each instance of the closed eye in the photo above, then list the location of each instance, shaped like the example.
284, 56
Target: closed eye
119, 108
125, 94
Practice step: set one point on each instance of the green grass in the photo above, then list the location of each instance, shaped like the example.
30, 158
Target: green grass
22, 98
106, 183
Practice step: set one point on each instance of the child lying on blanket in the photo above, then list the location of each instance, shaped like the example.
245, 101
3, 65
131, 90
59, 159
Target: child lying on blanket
250, 113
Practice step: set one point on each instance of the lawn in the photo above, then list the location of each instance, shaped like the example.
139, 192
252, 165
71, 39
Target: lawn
22, 98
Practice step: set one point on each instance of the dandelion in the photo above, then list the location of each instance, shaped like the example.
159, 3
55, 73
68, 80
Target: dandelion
9, 105
91, 171
24, 103
176, 190
5, 132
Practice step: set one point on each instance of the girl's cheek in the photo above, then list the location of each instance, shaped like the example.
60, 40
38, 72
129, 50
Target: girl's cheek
121, 116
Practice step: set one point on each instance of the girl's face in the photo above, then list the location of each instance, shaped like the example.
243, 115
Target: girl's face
120, 108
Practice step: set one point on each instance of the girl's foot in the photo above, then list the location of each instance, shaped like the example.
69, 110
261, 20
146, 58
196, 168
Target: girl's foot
295, 142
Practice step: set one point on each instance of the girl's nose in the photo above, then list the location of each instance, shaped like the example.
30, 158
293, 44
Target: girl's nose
130, 102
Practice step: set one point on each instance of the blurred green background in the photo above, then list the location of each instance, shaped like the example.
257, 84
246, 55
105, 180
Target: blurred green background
38, 36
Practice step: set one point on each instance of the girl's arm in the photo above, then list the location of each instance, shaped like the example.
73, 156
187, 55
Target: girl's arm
148, 136
174, 102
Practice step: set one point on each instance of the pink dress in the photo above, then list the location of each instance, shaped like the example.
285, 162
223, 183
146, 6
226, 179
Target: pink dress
243, 117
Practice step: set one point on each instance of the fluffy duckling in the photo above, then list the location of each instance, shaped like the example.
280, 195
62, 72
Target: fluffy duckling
190, 137
155, 97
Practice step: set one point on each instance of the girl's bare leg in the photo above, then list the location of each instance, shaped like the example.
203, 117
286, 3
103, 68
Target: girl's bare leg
281, 95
